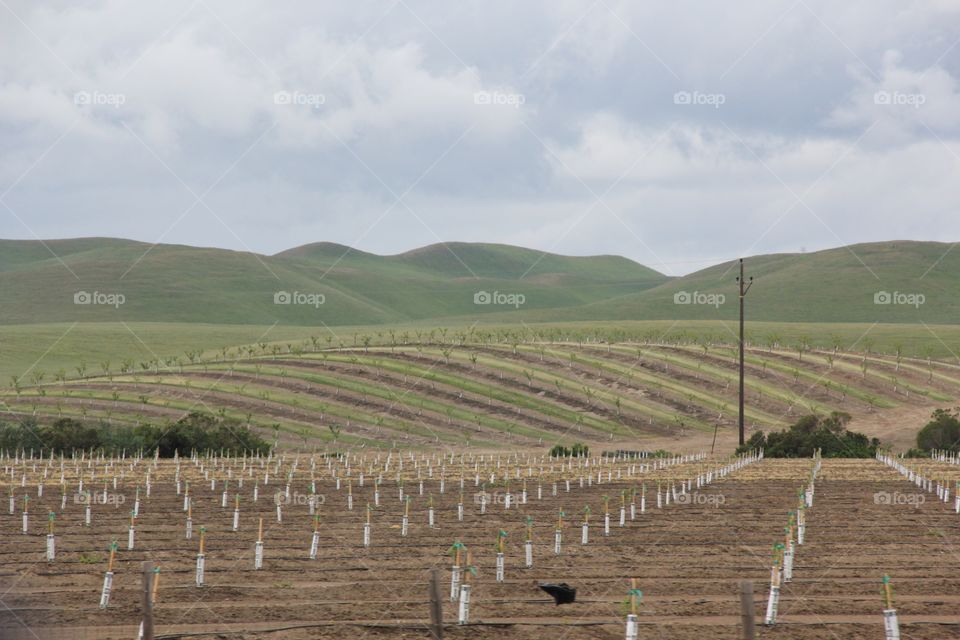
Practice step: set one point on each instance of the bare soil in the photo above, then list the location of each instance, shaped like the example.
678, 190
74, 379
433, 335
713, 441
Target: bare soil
688, 558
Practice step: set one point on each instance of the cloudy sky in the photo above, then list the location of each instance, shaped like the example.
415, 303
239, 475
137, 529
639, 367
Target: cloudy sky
676, 133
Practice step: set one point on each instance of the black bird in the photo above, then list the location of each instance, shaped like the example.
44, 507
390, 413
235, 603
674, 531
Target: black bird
562, 593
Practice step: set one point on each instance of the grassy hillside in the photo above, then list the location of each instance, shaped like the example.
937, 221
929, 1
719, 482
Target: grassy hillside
836, 285
438, 283
490, 389
619, 384
49, 347
170, 283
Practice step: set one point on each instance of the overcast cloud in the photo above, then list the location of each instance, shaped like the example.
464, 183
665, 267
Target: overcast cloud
675, 133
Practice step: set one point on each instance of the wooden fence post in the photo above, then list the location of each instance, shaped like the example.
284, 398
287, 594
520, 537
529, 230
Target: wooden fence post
746, 609
147, 600
436, 610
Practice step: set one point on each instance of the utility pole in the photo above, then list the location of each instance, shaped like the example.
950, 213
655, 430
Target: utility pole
744, 287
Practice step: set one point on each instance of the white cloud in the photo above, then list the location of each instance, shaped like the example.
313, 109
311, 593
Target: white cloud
902, 103
399, 84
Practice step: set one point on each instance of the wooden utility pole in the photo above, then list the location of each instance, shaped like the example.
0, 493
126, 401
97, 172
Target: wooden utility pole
744, 286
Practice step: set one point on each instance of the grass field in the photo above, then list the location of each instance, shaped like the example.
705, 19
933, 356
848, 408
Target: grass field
495, 388
400, 352
173, 283
438, 284
52, 346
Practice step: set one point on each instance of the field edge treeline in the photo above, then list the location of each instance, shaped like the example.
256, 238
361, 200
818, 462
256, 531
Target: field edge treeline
196, 431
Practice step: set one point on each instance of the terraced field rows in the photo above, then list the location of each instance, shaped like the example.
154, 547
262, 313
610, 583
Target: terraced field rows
687, 556
486, 395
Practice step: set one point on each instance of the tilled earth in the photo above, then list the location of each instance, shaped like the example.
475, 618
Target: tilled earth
688, 558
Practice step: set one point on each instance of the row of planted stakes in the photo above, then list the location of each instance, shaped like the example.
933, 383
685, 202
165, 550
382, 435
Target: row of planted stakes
924, 475
510, 480
781, 571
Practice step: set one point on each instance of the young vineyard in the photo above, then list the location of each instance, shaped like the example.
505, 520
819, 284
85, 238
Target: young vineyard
326, 546
485, 393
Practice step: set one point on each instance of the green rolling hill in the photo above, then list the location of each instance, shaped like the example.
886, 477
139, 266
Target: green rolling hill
438, 283
334, 285
835, 285
393, 354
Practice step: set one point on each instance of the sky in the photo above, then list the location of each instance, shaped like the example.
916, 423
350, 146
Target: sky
679, 134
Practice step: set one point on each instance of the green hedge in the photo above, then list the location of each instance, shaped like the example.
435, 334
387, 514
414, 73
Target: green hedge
578, 450
942, 432
194, 432
812, 432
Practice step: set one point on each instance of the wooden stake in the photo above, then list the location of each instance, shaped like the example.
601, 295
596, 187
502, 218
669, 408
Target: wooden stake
747, 616
436, 610
156, 584
888, 592
149, 593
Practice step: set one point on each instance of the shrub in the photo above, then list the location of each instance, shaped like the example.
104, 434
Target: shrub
578, 450
942, 432
194, 432
812, 432
559, 451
